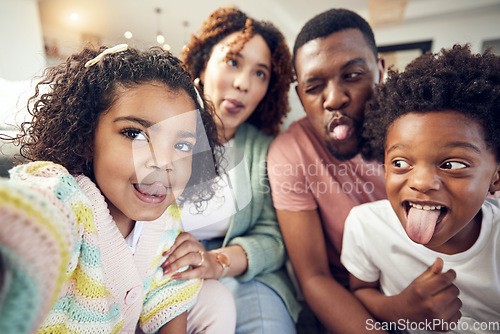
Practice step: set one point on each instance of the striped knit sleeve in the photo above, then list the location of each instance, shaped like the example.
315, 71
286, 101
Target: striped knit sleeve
85, 304
36, 244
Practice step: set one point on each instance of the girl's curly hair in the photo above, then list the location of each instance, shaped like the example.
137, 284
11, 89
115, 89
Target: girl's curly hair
65, 116
454, 79
271, 111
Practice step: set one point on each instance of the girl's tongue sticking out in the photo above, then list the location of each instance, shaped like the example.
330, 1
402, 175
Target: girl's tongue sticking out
154, 189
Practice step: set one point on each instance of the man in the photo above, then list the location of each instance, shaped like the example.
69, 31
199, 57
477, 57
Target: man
315, 169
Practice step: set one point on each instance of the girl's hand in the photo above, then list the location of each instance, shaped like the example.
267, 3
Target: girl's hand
188, 251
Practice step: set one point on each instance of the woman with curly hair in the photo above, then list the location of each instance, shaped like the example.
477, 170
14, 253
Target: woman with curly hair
243, 66
116, 139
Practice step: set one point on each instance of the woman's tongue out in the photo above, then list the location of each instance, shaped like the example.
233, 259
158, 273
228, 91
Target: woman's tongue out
232, 106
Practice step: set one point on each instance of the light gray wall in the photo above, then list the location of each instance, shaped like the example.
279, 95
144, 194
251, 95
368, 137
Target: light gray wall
459, 25
22, 53
468, 26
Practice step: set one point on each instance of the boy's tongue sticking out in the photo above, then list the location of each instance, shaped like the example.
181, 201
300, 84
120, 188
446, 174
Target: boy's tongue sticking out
420, 223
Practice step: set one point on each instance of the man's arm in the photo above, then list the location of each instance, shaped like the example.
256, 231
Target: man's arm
337, 309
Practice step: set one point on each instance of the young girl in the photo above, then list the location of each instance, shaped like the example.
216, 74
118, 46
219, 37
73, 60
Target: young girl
428, 257
244, 67
119, 137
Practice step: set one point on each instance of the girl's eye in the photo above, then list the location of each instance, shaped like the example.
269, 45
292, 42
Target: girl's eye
134, 134
184, 147
400, 164
453, 165
232, 62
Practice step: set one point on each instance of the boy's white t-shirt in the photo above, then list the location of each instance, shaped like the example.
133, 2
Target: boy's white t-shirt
377, 248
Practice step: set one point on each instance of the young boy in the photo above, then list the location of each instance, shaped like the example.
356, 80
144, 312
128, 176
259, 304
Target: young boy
428, 258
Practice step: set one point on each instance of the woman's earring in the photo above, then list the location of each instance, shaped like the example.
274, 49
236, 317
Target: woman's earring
197, 89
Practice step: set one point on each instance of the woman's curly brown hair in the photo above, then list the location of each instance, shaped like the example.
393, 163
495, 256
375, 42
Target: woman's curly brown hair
271, 111
454, 80
65, 115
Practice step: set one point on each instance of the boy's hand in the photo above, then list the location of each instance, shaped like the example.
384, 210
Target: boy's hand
432, 295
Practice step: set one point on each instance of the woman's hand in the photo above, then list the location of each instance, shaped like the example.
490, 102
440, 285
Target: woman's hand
188, 251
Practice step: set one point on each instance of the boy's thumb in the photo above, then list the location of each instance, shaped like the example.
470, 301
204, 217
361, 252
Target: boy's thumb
437, 266
433, 270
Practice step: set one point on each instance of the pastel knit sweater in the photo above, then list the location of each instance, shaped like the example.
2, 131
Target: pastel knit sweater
36, 243
106, 288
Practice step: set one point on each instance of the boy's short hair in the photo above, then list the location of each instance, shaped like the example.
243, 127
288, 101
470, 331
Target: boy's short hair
332, 21
454, 79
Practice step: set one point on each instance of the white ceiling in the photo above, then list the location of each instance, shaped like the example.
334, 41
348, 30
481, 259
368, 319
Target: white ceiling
109, 19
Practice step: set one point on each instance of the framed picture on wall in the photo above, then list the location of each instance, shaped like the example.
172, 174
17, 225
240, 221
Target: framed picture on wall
494, 44
399, 55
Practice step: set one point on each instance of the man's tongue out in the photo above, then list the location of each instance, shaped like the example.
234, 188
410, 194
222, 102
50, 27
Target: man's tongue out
341, 131
420, 224
154, 189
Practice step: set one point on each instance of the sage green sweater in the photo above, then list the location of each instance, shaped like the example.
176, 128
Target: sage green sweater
255, 227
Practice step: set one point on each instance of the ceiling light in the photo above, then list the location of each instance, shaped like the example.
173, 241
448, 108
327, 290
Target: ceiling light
127, 34
159, 36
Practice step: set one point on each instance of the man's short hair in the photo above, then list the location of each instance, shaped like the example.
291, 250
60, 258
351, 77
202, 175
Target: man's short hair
332, 21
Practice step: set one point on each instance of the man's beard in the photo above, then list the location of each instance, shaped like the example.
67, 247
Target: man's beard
343, 155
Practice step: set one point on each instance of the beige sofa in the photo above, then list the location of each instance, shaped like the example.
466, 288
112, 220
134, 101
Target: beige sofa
14, 97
